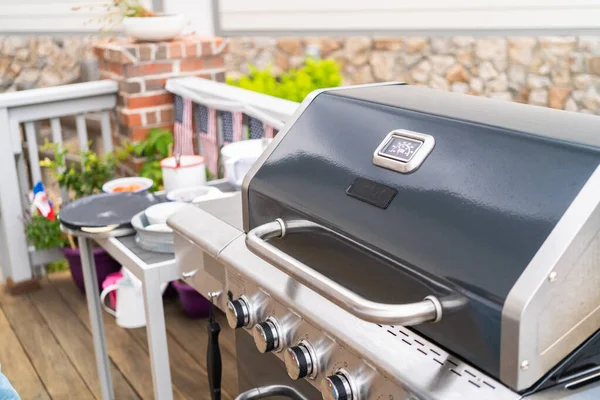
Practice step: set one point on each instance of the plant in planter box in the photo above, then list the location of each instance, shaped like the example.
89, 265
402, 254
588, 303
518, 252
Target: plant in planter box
156, 147
83, 179
294, 84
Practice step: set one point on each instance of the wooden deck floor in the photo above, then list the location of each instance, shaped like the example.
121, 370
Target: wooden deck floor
46, 348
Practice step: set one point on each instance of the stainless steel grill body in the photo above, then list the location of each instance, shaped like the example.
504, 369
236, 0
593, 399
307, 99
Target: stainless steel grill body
462, 266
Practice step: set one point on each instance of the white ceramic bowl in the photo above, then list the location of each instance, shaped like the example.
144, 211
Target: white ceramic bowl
154, 29
159, 213
145, 184
187, 195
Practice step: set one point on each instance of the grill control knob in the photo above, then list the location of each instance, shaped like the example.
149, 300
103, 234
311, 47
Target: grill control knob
267, 335
337, 387
238, 313
300, 361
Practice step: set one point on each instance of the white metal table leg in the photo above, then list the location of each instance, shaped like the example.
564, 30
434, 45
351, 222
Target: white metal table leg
93, 300
157, 335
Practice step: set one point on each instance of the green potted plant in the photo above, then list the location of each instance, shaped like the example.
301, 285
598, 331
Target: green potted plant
82, 179
156, 147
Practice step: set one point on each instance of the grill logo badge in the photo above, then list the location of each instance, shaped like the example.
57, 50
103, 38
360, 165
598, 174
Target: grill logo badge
403, 151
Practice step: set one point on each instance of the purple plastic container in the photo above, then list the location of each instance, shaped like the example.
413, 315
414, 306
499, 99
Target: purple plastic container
105, 265
194, 305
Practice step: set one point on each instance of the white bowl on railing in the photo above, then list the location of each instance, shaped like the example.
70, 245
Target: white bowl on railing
154, 29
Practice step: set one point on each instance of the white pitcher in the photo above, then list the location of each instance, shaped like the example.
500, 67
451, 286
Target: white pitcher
130, 311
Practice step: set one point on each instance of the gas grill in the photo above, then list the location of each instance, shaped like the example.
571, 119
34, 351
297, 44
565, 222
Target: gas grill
395, 242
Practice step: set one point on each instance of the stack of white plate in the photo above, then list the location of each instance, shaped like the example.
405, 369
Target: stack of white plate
153, 234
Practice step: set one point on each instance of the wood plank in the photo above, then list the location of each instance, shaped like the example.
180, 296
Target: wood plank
16, 366
54, 368
124, 350
77, 342
193, 337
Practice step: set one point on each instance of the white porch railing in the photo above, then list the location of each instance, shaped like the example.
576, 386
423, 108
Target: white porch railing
27, 108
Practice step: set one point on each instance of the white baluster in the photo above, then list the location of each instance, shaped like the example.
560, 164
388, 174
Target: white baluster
81, 132
32, 147
106, 131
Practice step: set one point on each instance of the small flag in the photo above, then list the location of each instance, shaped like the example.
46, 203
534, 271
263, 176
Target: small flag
41, 202
258, 129
206, 126
183, 127
233, 126
269, 131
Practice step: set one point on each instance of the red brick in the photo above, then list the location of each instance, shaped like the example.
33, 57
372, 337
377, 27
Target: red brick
130, 87
215, 62
148, 69
175, 50
113, 67
151, 117
166, 115
145, 52
149, 101
192, 64
191, 50
155, 84
126, 117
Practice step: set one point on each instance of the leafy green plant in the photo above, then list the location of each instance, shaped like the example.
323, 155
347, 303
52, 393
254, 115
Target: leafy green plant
88, 177
156, 147
294, 84
44, 233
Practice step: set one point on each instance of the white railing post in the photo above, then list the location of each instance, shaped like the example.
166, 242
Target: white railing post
15, 259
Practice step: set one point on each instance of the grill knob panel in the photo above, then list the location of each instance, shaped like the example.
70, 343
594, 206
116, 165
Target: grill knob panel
337, 387
238, 313
300, 361
267, 335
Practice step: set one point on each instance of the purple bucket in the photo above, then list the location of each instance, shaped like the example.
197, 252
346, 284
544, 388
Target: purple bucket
105, 265
192, 302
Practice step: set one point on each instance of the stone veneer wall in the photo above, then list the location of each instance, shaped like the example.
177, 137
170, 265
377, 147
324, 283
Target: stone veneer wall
41, 61
558, 72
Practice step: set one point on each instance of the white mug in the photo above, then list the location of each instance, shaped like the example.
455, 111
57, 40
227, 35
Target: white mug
130, 311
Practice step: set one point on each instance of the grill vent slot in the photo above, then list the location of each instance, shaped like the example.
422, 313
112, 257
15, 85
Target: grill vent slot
439, 357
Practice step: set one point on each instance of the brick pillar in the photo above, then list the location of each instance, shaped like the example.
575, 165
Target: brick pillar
142, 70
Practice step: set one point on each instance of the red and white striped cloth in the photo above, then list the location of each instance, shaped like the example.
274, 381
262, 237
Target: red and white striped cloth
183, 131
209, 142
269, 131
238, 126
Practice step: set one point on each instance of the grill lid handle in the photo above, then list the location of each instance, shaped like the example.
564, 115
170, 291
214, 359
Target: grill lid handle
430, 309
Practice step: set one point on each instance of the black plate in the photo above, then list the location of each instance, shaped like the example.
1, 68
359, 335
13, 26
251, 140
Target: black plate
105, 209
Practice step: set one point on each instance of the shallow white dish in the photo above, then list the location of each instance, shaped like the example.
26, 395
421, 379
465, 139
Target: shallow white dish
159, 228
154, 29
189, 194
158, 213
144, 183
